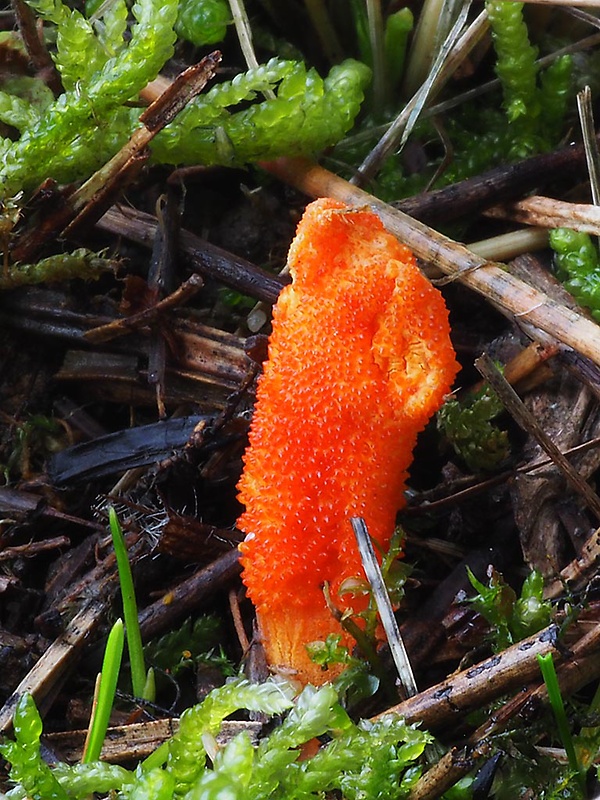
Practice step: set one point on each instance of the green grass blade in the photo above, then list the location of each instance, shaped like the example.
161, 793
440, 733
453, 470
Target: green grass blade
106, 694
132, 627
548, 671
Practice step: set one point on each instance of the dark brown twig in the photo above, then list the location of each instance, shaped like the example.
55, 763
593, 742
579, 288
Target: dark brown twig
466, 487
202, 256
23, 506
184, 598
119, 327
494, 186
161, 279
38, 52
33, 548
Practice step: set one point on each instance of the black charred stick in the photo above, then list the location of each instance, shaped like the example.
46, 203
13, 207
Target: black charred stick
116, 452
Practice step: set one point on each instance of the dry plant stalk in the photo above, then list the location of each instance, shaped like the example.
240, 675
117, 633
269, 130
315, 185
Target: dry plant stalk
452, 52
42, 678
444, 703
138, 740
510, 295
507, 246
546, 212
579, 669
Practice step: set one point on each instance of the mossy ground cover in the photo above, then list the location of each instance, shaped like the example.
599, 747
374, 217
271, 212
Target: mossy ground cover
105, 337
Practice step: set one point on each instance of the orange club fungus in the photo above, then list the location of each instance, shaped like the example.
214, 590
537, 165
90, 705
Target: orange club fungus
359, 359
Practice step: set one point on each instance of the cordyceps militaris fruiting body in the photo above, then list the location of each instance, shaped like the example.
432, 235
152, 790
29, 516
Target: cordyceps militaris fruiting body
359, 360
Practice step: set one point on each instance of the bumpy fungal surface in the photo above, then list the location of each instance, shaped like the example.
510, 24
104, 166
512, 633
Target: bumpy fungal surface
359, 359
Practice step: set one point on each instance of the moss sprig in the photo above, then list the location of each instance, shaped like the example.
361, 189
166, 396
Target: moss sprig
28, 768
361, 760
516, 57
511, 618
307, 112
530, 105
103, 73
81, 264
578, 265
468, 426
83, 112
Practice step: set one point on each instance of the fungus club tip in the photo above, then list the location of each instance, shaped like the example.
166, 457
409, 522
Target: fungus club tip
359, 359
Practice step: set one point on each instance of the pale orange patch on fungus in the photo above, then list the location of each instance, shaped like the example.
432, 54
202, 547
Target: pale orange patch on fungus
359, 359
